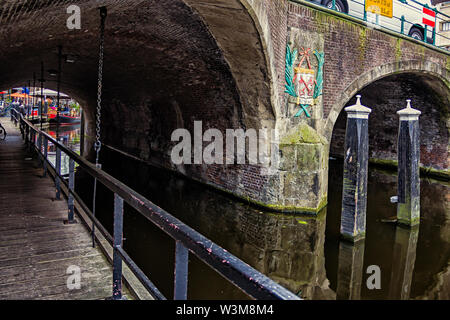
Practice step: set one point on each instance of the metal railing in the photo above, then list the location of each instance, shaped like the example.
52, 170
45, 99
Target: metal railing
429, 35
246, 278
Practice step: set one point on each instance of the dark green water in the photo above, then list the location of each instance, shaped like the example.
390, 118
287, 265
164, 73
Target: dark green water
303, 253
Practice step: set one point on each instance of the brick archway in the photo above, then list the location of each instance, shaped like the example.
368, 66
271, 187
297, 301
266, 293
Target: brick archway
412, 66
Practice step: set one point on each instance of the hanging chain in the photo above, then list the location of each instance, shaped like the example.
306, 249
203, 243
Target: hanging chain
98, 144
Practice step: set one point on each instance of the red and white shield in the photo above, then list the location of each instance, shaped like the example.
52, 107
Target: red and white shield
304, 84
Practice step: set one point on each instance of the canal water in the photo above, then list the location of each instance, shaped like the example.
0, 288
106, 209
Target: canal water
68, 135
302, 253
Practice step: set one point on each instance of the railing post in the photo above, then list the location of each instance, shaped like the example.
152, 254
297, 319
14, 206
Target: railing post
118, 239
58, 173
94, 199
40, 145
365, 12
70, 218
25, 133
45, 156
435, 24
181, 271
403, 25
22, 129
356, 153
425, 34
32, 137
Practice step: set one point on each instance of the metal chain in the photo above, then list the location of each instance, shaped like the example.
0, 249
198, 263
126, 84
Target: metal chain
98, 144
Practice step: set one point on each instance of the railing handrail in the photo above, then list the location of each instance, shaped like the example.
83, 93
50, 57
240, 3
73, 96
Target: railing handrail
245, 277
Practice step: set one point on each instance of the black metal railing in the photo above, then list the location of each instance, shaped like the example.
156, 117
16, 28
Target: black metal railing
248, 279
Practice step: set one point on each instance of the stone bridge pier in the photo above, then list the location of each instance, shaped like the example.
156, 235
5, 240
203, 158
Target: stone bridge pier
288, 66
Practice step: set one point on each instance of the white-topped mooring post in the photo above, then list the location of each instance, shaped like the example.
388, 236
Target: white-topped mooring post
408, 205
356, 159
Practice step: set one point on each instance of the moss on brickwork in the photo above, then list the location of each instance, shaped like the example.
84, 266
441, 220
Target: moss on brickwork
308, 156
362, 43
303, 134
398, 50
290, 209
443, 175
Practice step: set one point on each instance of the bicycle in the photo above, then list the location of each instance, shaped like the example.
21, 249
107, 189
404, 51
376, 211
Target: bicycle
2, 132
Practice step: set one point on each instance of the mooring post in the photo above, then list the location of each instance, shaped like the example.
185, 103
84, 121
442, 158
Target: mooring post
356, 153
118, 239
408, 205
350, 270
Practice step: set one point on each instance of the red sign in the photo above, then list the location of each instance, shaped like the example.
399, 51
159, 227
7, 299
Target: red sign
430, 14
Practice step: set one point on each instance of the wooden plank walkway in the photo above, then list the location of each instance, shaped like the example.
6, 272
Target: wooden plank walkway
36, 247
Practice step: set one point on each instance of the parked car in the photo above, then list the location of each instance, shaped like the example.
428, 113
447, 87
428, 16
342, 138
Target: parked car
412, 12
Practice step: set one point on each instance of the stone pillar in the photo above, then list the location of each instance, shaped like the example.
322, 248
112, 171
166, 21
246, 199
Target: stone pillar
354, 193
408, 205
350, 270
403, 262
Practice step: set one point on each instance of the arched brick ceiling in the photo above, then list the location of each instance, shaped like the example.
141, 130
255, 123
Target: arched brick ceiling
155, 50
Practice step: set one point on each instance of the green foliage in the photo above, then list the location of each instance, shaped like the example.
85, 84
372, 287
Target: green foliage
319, 78
289, 71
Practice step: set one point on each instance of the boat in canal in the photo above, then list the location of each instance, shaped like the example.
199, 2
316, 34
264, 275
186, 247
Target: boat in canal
64, 119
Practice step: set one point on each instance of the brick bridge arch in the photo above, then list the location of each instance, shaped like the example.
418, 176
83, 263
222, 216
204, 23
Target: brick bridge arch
169, 63
419, 67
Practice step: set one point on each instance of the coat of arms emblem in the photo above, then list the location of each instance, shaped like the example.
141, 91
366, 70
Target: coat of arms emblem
303, 83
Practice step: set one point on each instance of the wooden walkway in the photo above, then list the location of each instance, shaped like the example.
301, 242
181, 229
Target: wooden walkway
36, 247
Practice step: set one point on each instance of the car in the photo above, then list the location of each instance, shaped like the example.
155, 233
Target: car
411, 10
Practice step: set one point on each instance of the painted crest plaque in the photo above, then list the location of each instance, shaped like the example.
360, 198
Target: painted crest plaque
303, 82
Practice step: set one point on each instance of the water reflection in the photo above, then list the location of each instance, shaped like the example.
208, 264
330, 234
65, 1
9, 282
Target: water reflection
405, 247
302, 253
350, 270
68, 135
412, 261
